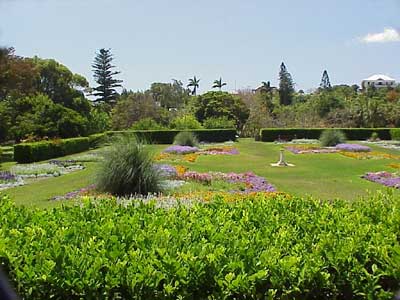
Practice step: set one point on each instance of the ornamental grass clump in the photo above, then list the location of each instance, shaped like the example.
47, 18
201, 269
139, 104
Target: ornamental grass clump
332, 137
186, 138
128, 169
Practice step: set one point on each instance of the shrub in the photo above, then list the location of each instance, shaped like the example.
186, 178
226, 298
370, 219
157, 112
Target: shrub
186, 138
98, 139
395, 133
330, 138
185, 122
374, 136
273, 134
32, 152
218, 122
147, 124
167, 136
257, 247
128, 169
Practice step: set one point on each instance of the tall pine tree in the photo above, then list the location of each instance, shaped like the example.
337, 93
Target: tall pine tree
286, 86
325, 82
104, 76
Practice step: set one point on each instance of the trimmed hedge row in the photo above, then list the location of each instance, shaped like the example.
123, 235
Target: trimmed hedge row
273, 134
167, 136
32, 152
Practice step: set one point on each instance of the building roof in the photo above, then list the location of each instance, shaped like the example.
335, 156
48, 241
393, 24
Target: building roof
380, 77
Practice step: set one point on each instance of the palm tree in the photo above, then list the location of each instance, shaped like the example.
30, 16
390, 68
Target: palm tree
194, 83
265, 87
218, 84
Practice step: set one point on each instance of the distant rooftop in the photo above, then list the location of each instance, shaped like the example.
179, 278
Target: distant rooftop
380, 77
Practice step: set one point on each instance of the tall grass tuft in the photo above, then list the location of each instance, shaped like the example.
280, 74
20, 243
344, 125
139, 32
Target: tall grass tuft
186, 138
332, 137
128, 168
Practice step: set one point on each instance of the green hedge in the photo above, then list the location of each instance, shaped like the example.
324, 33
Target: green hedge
32, 152
98, 139
257, 248
273, 134
167, 136
395, 133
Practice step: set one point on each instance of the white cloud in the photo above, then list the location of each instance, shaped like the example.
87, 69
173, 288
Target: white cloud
389, 34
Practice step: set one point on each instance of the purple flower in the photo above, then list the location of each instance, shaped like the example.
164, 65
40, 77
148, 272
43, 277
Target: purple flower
384, 178
353, 148
166, 170
177, 149
6, 176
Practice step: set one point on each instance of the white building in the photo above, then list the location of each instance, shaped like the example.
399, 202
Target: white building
378, 81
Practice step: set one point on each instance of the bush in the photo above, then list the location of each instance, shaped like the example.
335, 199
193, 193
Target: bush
374, 137
218, 122
395, 133
186, 138
98, 139
128, 169
167, 136
330, 138
273, 134
147, 124
185, 122
259, 247
32, 152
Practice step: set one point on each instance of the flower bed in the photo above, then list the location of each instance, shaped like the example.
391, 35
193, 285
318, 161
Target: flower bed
75, 194
9, 180
306, 149
352, 148
247, 182
384, 178
224, 150
51, 169
369, 155
177, 149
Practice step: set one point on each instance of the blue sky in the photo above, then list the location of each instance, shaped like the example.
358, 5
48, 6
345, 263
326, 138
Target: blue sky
244, 41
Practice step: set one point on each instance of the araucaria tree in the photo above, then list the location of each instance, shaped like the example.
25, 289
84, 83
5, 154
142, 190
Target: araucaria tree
325, 82
104, 76
286, 86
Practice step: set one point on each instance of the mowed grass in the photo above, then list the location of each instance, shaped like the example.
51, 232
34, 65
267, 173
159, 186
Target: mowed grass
325, 176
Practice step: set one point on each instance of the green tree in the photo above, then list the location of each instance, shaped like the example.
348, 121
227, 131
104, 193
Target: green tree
218, 84
132, 107
221, 104
286, 86
194, 84
325, 82
104, 76
170, 95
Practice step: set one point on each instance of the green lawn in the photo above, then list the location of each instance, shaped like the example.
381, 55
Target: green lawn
326, 176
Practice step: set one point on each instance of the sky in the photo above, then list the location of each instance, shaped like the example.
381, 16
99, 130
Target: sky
242, 41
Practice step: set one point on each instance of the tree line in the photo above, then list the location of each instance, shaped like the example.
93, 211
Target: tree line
41, 98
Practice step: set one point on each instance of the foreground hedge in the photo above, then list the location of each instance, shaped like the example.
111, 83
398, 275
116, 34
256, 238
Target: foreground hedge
167, 136
260, 248
273, 134
32, 152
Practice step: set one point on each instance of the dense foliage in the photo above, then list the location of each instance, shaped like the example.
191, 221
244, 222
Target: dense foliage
41, 97
330, 138
186, 138
32, 152
128, 168
273, 134
221, 104
262, 247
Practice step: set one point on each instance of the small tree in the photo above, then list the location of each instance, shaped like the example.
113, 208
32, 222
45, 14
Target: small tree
325, 82
286, 86
104, 76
